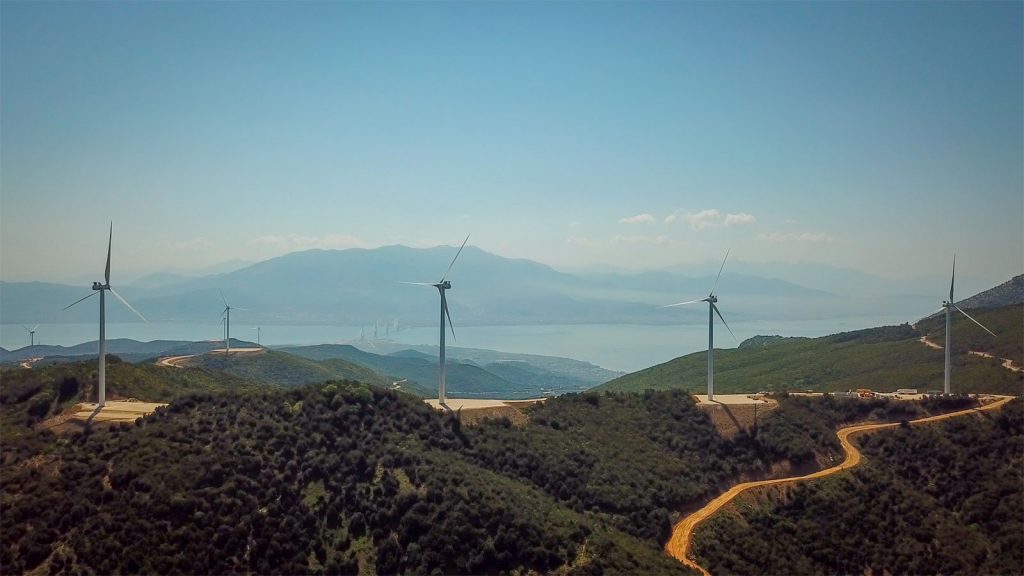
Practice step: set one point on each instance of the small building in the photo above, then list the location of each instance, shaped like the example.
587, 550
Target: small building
907, 391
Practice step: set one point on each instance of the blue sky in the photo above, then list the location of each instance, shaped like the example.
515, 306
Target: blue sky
880, 136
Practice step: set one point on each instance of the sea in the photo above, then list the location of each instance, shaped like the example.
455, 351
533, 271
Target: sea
622, 347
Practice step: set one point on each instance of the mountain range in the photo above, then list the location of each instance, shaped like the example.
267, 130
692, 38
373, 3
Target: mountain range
361, 286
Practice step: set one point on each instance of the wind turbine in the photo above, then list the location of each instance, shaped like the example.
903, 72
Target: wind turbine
712, 310
226, 317
102, 288
32, 333
442, 285
257, 329
948, 306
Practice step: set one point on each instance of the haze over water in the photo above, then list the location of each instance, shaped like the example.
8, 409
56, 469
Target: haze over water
622, 347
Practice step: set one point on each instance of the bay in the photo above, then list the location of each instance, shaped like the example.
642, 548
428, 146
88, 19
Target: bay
623, 347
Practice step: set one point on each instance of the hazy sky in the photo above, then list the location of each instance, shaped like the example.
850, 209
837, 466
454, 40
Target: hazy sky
881, 136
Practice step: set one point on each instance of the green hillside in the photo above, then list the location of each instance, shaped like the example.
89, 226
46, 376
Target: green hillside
461, 379
1006, 322
29, 396
882, 359
283, 369
345, 478
946, 498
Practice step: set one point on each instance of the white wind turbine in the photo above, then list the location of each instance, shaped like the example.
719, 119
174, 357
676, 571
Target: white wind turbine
948, 306
226, 318
102, 288
712, 310
442, 285
32, 334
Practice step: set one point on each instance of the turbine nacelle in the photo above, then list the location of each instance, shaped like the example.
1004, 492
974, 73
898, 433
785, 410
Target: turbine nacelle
98, 286
446, 285
711, 298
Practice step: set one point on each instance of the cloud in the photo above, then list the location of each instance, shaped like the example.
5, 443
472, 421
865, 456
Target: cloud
703, 219
660, 240
805, 237
582, 242
295, 242
710, 218
738, 219
638, 219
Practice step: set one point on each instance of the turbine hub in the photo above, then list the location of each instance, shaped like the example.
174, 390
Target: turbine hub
446, 285
98, 286
712, 298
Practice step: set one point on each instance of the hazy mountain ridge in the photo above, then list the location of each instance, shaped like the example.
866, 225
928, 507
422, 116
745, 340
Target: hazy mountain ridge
359, 286
1008, 293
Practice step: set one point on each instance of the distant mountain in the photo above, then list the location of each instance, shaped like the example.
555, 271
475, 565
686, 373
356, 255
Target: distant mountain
1008, 293
357, 287
130, 350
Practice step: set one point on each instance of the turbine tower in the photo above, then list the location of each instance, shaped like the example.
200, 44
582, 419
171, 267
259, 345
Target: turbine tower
442, 285
712, 310
102, 288
948, 306
32, 335
226, 318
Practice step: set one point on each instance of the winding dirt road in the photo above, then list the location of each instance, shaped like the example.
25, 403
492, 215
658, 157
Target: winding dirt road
173, 361
678, 545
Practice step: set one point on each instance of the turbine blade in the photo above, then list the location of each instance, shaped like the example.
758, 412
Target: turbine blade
79, 300
418, 284
130, 307
952, 279
223, 299
454, 259
720, 271
715, 308
973, 320
685, 303
450, 326
26, 329
34, 327
110, 240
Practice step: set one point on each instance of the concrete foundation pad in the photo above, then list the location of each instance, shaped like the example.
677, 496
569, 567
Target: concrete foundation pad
456, 404
730, 400
114, 411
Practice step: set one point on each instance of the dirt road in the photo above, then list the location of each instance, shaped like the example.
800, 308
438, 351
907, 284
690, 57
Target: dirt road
1007, 363
924, 340
678, 545
172, 361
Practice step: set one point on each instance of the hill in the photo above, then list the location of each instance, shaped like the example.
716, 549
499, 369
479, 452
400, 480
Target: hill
939, 499
125, 348
1009, 293
284, 369
882, 359
1007, 322
29, 396
582, 374
461, 379
342, 477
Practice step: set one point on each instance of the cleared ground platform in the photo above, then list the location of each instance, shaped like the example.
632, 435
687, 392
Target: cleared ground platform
456, 404
730, 399
114, 411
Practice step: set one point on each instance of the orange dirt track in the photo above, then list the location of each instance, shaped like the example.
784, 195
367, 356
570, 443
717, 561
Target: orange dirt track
678, 545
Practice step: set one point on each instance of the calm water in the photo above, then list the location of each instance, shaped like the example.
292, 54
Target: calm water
614, 346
